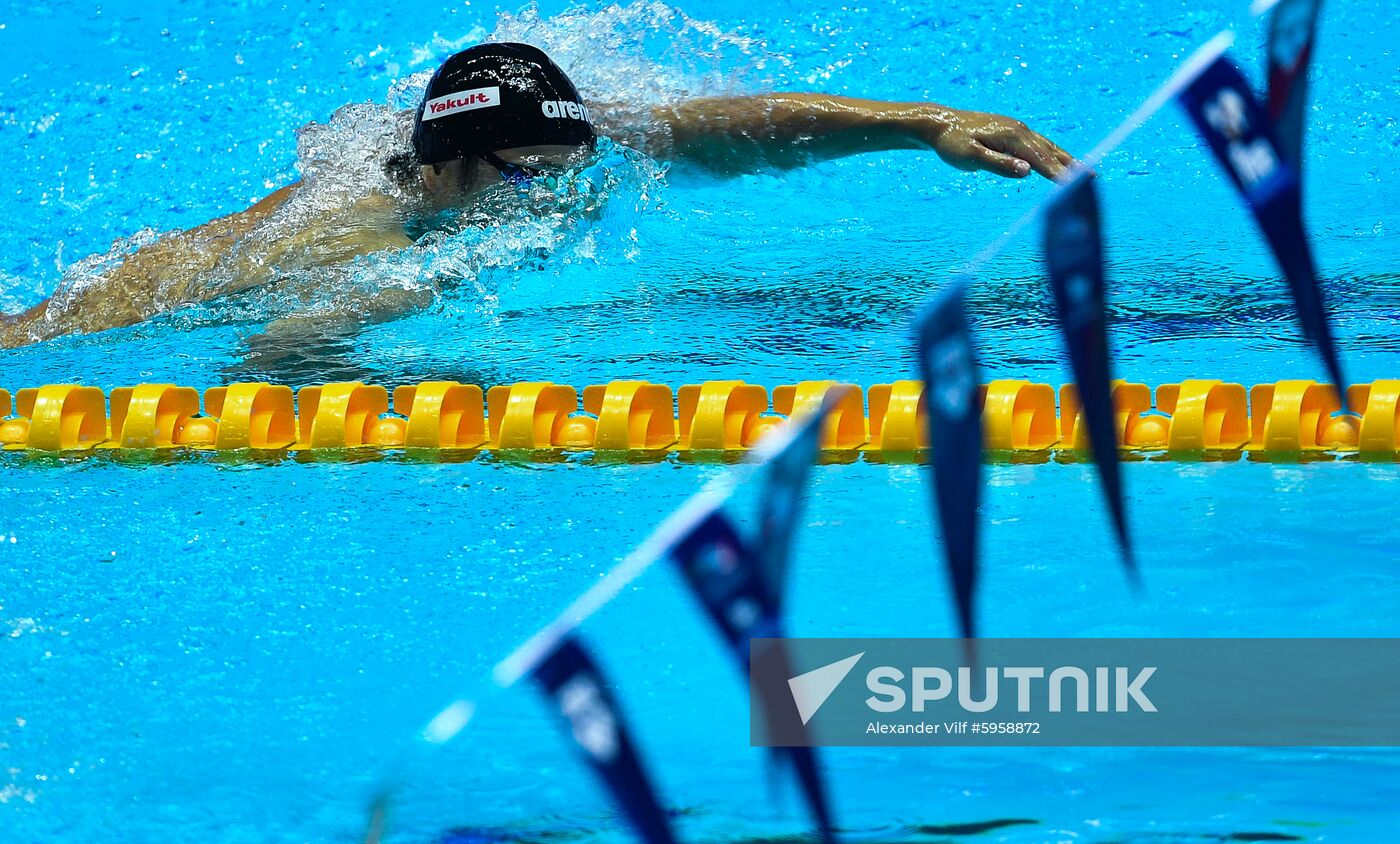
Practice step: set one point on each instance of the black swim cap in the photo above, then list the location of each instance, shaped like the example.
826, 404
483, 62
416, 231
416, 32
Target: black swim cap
498, 96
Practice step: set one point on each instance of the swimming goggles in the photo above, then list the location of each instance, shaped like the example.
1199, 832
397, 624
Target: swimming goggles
518, 175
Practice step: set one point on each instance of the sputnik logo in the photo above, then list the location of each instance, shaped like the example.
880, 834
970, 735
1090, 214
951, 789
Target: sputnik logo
812, 689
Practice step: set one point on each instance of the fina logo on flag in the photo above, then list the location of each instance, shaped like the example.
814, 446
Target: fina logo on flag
951, 362
719, 564
1252, 158
592, 723
1073, 244
1080, 291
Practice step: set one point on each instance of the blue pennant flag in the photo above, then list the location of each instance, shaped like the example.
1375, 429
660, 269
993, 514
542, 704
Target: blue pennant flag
949, 369
1074, 256
1241, 136
1292, 33
725, 575
578, 690
784, 484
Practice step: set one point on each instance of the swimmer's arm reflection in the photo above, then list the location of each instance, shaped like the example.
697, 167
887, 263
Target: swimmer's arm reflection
288, 336
742, 134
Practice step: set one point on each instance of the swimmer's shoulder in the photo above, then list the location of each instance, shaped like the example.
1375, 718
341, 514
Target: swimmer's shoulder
374, 203
274, 200
225, 231
387, 214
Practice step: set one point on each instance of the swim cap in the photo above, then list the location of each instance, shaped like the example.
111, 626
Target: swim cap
498, 96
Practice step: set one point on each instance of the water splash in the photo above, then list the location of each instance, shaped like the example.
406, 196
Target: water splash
644, 52
347, 155
586, 215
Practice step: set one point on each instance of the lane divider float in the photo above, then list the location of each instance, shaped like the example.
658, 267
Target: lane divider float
1191, 419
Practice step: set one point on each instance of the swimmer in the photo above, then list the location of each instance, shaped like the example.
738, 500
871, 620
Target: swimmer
506, 112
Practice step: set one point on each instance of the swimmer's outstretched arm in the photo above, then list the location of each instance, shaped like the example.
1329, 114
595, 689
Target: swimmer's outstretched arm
742, 134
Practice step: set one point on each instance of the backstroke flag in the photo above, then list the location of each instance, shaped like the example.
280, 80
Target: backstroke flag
1074, 258
577, 689
949, 370
1240, 134
784, 483
726, 576
1292, 32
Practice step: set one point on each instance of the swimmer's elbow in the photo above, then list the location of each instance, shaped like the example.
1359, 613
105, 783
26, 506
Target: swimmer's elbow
16, 330
275, 199
13, 335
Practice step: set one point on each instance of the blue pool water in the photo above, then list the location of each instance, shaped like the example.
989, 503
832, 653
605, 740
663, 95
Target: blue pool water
236, 652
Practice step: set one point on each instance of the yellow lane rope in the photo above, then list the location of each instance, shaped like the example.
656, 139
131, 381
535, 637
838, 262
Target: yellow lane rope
1190, 418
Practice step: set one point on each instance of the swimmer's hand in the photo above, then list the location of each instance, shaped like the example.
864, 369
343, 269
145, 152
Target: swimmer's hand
975, 140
